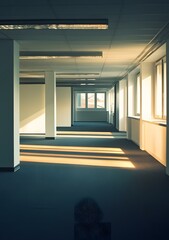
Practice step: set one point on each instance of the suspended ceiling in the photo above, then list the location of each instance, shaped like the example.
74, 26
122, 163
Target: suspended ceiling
134, 28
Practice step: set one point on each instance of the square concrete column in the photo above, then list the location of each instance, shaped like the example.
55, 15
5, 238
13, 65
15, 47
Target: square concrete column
50, 105
167, 147
146, 98
9, 105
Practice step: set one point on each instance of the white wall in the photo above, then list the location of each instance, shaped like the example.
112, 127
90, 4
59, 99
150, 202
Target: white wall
92, 116
155, 140
133, 122
147, 132
146, 109
122, 105
32, 108
131, 88
63, 106
167, 61
111, 103
9, 98
147, 106
132, 85
147, 80
134, 130
117, 106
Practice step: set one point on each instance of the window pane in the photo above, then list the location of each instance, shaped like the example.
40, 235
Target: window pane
91, 100
100, 100
158, 91
81, 100
138, 95
165, 91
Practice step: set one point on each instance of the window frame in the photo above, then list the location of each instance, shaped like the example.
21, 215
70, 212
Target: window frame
164, 89
137, 94
86, 108
77, 106
163, 106
87, 100
97, 101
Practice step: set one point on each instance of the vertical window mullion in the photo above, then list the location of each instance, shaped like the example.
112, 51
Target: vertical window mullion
86, 100
164, 88
80, 100
91, 100
101, 100
138, 94
158, 91
95, 101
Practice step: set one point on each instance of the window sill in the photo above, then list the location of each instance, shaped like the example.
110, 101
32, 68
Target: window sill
157, 122
160, 122
91, 109
153, 121
134, 117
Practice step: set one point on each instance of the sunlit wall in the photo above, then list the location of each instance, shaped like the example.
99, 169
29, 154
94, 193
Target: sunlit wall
32, 108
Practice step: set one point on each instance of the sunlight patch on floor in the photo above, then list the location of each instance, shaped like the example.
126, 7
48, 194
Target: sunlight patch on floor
83, 133
72, 149
91, 136
77, 161
103, 157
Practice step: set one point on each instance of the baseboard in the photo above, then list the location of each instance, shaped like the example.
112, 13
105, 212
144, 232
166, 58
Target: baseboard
10, 169
50, 138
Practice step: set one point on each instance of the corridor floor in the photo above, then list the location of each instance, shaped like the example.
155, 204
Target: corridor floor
53, 200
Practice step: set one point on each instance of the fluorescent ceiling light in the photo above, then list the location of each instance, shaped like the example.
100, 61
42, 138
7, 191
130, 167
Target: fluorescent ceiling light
59, 54
31, 75
90, 84
53, 24
77, 74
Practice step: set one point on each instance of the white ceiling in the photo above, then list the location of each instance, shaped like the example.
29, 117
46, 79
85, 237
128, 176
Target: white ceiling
132, 25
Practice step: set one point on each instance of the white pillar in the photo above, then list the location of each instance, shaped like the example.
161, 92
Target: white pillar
50, 105
9, 105
128, 107
146, 98
123, 105
167, 147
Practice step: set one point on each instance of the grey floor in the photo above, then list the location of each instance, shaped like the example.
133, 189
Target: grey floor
89, 126
39, 201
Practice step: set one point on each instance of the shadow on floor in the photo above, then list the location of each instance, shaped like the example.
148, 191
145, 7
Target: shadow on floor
40, 200
90, 126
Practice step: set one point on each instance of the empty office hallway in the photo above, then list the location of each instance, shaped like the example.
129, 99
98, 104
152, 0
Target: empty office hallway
65, 184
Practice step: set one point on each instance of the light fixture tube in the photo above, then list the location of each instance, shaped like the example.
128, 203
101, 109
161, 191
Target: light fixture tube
54, 55
53, 24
